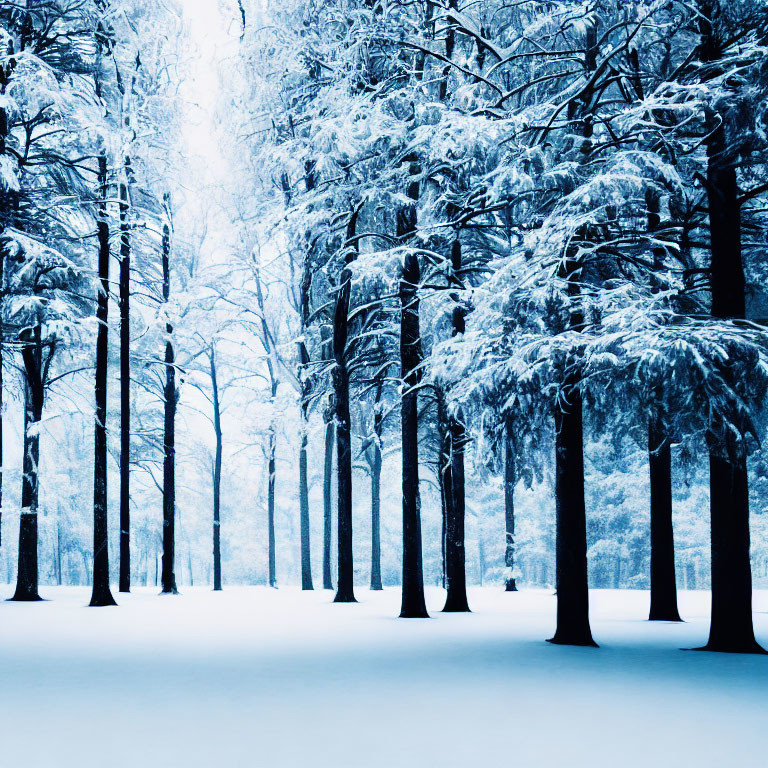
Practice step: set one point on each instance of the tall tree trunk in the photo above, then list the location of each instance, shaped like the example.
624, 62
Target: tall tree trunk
443, 477
510, 480
663, 582
731, 626
272, 448
305, 289
2, 383
306, 562
101, 594
125, 390
59, 570
327, 503
378, 419
216, 475
571, 575
170, 397
271, 470
571, 541
5, 220
455, 554
345, 575
27, 575
413, 604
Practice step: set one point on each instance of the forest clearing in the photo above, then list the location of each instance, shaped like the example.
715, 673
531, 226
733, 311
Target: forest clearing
257, 677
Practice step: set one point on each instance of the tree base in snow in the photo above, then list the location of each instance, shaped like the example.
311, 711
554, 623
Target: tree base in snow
24, 597
752, 647
101, 599
412, 605
664, 616
510, 586
456, 604
578, 639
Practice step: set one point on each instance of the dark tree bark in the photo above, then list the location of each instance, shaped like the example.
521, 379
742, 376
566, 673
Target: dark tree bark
1, 412
731, 628
571, 543
378, 429
271, 470
101, 594
306, 562
125, 339
571, 540
327, 503
58, 565
170, 398
663, 582
5, 219
216, 475
345, 575
413, 604
450, 43
510, 480
2, 383
305, 392
272, 445
443, 476
455, 556
27, 575
572, 582
125, 390
10, 202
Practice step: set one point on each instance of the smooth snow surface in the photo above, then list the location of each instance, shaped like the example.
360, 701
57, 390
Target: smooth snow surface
255, 677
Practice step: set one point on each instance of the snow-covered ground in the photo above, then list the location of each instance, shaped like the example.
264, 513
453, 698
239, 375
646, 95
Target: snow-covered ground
254, 677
